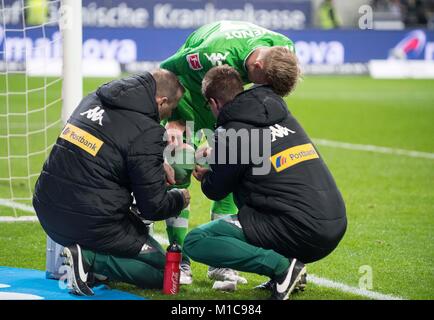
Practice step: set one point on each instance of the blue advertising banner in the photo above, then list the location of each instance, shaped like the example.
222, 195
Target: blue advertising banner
127, 45
168, 14
139, 34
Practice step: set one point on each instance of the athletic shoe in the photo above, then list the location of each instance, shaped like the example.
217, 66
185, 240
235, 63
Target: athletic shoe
77, 276
186, 276
286, 284
225, 274
268, 286
301, 285
94, 280
226, 286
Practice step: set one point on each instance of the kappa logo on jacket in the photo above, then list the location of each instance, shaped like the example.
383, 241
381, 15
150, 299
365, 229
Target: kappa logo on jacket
277, 131
95, 114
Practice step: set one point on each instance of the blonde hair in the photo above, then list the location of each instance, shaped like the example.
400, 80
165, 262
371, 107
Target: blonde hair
281, 70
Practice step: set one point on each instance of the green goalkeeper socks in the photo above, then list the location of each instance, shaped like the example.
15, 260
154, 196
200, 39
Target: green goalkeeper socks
177, 228
223, 207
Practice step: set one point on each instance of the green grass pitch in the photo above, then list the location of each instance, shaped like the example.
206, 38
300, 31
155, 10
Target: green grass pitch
389, 197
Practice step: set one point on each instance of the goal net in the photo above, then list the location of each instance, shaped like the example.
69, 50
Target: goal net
31, 81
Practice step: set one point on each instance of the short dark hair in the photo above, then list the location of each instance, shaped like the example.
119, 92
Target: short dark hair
222, 83
168, 84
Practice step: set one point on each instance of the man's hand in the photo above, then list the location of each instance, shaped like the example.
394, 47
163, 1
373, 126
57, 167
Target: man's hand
186, 196
202, 156
199, 172
170, 174
202, 152
175, 132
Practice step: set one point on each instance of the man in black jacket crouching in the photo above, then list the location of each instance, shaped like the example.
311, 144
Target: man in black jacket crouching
110, 149
290, 214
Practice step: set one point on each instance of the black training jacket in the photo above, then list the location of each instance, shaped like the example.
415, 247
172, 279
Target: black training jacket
112, 146
296, 208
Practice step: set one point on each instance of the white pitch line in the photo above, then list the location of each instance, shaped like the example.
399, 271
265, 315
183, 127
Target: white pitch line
20, 206
372, 148
19, 219
322, 282
16, 205
312, 278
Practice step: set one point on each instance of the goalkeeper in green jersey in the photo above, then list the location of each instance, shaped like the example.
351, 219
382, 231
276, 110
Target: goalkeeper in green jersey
249, 49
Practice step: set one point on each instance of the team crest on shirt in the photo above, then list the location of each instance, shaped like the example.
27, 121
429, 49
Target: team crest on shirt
194, 61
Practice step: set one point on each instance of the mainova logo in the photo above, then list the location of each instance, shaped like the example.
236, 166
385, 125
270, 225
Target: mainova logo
312, 52
411, 47
18, 49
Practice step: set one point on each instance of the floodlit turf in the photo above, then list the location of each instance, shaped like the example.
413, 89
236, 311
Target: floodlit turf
389, 198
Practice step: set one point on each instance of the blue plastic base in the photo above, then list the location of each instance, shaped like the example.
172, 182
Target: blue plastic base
51, 276
27, 284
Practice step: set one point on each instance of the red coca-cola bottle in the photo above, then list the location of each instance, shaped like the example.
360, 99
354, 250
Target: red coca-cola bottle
171, 269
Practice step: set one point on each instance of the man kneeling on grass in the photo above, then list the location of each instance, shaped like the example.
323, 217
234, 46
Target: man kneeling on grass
291, 215
112, 147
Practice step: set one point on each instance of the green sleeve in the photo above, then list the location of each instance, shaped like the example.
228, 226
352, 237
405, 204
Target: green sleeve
172, 62
223, 42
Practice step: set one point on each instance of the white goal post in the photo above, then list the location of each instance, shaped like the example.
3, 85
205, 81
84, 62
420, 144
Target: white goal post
72, 55
72, 93
40, 86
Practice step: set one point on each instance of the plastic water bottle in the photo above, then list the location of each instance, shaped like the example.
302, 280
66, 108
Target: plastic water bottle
171, 269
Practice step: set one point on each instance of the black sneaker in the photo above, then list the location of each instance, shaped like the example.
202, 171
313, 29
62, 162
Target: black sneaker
79, 270
94, 280
284, 286
268, 286
301, 285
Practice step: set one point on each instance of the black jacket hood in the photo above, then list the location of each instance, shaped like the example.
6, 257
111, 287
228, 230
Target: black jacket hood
258, 106
136, 93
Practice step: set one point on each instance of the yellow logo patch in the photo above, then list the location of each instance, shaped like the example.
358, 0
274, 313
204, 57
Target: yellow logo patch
81, 139
291, 156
